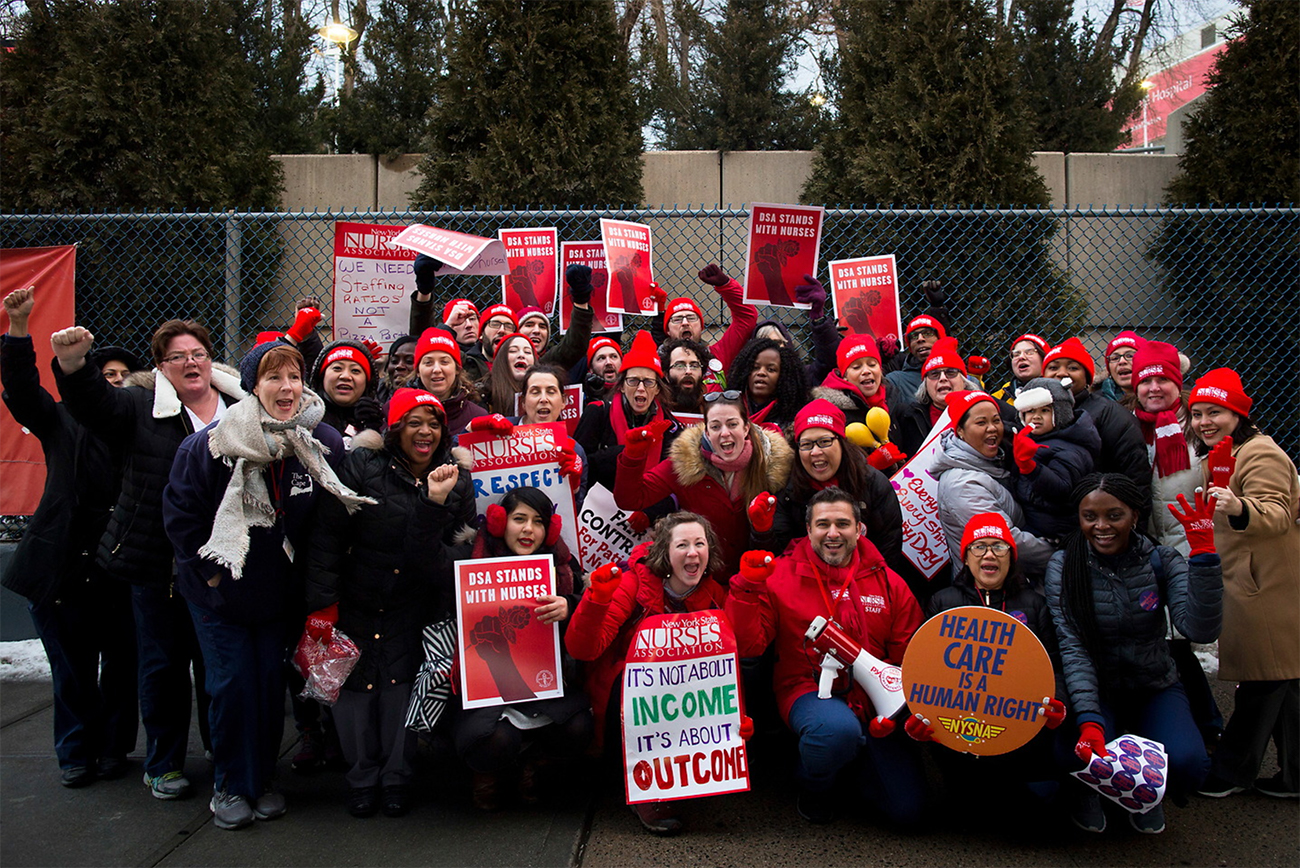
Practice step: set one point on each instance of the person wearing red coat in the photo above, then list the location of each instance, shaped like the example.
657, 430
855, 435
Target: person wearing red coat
838, 574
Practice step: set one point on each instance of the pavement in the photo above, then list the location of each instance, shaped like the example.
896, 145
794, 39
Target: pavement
585, 823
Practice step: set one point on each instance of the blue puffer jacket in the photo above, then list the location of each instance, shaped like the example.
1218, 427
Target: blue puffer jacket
1068, 455
1130, 602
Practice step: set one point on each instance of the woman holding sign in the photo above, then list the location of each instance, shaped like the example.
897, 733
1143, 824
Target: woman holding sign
1109, 590
675, 572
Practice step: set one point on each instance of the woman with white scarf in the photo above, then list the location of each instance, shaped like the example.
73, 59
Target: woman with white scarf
237, 504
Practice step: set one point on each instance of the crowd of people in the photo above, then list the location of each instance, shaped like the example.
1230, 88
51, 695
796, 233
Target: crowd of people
316, 486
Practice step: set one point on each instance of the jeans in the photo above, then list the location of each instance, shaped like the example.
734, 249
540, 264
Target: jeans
167, 648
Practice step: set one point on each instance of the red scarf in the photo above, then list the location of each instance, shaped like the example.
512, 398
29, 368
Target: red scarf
833, 482
735, 466
935, 412
1166, 432
618, 422
835, 381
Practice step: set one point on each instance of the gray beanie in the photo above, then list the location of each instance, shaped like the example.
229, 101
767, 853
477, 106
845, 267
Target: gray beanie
1042, 391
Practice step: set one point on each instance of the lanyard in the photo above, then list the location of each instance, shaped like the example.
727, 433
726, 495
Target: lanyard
828, 595
276, 472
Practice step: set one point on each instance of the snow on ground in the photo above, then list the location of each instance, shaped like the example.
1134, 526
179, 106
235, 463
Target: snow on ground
1209, 657
24, 660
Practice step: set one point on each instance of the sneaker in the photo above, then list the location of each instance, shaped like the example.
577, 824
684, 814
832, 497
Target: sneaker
815, 808
1150, 823
230, 811
658, 818
170, 785
1087, 813
75, 777
396, 800
269, 806
1276, 788
363, 801
311, 756
112, 767
1217, 788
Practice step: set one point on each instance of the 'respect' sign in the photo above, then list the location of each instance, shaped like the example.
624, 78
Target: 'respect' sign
979, 676
682, 710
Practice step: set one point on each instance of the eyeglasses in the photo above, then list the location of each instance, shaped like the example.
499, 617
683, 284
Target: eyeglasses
1122, 357
198, 357
1020, 354
683, 319
730, 395
982, 548
685, 366
822, 443
635, 383
944, 374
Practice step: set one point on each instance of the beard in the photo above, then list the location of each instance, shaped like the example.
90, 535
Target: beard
687, 400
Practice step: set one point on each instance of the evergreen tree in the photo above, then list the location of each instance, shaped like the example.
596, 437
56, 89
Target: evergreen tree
536, 108
277, 42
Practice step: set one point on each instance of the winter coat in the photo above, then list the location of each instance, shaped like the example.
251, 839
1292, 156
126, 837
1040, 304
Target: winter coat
357, 430
780, 609
906, 379
82, 480
1130, 603
699, 486
742, 317
846, 396
600, 633
970, 484
271, 586
144, 422
1067, 456
597, 436
386, 565
1024, 603
1261, 567
1122, 448
1164, 493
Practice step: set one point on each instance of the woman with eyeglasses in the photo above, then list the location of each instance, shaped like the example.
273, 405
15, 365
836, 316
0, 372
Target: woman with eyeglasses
772, 379
943, 373
1027, 354
714, 470
1118, 384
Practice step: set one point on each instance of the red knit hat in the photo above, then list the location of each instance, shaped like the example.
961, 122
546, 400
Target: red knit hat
1073, 349
436, 339
986, 525
1124, 339
1157, 359
498, 310
1034, 339
504, 341
681, 305
855, 347
924, 321
266, 338
959, 403
349, 354
530, 311
643, 354
600, 343
943, 355
446, 308
819, 414
1221, 386
405, 400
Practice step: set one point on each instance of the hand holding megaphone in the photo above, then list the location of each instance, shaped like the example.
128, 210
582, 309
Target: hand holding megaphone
882, 681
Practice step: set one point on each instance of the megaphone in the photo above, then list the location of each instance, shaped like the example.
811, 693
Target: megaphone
882, 681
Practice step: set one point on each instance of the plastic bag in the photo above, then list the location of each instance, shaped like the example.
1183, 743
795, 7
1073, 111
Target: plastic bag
325, 665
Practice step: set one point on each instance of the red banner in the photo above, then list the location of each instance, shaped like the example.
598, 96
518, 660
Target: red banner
864, 296
533, 277
592, 255
784, 245
628, 252
52, 271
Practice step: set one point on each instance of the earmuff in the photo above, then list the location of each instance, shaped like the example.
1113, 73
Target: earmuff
496, 520
553, 533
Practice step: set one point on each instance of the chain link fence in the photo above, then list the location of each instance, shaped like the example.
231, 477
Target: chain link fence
1221, 284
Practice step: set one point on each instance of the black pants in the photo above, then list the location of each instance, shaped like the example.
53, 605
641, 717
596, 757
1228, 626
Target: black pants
1261, 710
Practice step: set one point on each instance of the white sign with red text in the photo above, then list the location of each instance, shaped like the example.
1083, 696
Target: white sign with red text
604, 534
924, 542
462, 254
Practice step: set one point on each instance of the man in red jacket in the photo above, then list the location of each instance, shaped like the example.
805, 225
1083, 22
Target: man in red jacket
838, 574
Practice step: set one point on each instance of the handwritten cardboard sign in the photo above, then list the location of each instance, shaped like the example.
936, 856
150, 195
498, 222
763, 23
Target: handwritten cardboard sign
463, 254
592, 255
924, 542
604, 535
506, 654
571, 415
373, 282
682, 710
979, 675
784, 245
864, 296
531, 255
628, 250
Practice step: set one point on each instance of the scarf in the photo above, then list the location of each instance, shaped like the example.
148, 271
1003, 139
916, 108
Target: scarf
1171, 446
835, 381
733, 466
618, 412
935, 412
248, 436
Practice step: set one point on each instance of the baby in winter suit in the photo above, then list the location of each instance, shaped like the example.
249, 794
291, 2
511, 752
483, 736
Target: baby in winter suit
1057, 447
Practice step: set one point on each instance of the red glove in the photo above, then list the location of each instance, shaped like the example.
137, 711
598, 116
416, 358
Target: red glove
639, 522
303, 324
1092, 742
658, 296
570, 463
757, 566
1053, 712
374, 348
879, 727
713, 274
746, 727
888, 347
320, 624
1222, 463
640, 439
1197, 522
494, 424
603, 582
918, 728
978, 365
1024, 449
886, 456
762, 510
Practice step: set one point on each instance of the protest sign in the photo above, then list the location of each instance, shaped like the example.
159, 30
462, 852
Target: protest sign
373, 282
604, 535
979, 675
462, 254
784, 245
1133, 776
531, 256
529, 456
628, 254
681, 710
506, 654
571, 415
864, 296
592, 255
924, 542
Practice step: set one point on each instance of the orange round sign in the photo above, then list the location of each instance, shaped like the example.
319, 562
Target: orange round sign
979, 676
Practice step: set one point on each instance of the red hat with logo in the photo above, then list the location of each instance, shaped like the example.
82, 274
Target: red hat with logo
1043, 345
498, 310
531, 311
855, 347
347, 353
435, 339
1074, 350
642, 354
959, 403
599, 343
1125, 338
449, 306
681, 305
1221, 386
987, 525
1157, 359
925, 321
405, 400
944, 355
819, 414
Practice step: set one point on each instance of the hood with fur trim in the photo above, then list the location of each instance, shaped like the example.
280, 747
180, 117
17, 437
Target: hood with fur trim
166, 403
691, 467
316, 376
839, 397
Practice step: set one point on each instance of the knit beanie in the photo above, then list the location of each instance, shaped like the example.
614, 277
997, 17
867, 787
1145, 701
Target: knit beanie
103, 355
1125, 338
498, 310
989, 526
819, 414
924, 322
1222, 386
447, 308
960, 403
1157, 359
681, 305
346, 353
1074, 350
944, 354
436, 339
855, 347
642, 354
1045, 391
1034, 339
405, 400
599, 343
528, 313
248, 364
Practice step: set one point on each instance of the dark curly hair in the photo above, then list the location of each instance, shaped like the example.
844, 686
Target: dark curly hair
701, 352
791, 384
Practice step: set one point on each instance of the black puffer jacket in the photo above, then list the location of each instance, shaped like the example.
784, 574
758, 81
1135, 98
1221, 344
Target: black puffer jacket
1122, 448
81, 483
1130, 603
386, 565
1070, 454
145, 423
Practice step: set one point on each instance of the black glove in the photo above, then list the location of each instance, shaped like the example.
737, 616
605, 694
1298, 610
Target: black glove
933, 292
368, 414
426, 269
578, 277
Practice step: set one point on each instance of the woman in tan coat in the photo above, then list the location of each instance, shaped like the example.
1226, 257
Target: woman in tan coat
1256, 534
